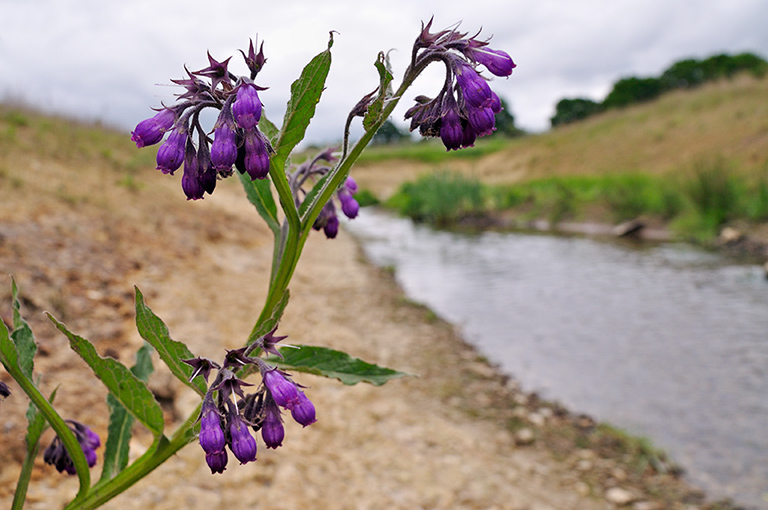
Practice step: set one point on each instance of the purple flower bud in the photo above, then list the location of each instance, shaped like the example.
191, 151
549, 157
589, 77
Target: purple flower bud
283, 391
451, 132
170, 156
272, 430
256, 155
224, 147
474, 88
151, 131
351, 185
217, 461
242, 443
304, 411
211, 434
496, 61
247, 107
56, 454
331, 227
482, 120
495, 105
191, 181
349, 205
469, 136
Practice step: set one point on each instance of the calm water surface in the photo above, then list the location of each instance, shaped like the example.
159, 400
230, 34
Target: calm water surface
665, 341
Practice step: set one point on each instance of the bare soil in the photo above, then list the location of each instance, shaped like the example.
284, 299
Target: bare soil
456, 435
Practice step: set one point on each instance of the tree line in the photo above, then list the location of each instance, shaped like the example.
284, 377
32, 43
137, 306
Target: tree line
684, 74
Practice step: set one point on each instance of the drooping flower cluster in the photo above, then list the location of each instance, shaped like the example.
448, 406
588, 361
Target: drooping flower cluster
56, 454
466, 106
237, 140
228, 413
310, 172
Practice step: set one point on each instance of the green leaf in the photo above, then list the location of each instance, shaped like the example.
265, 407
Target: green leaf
385, 92
259, 193
22, 335
269, 129
153, 330
120, 421
37, 424
305, 94
131, 391
268, 325
335, 364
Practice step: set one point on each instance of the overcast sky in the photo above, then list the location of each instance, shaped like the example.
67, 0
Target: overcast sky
112, 61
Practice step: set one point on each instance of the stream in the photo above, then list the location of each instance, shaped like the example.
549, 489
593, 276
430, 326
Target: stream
666, 341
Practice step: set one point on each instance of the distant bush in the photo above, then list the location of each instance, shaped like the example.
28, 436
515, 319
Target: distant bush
571, 110
633, 90
440, 198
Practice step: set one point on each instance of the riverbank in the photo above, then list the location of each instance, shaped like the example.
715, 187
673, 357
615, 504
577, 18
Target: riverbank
459, 435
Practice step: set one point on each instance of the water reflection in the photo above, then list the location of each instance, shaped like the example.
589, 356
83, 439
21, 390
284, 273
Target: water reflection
667, 341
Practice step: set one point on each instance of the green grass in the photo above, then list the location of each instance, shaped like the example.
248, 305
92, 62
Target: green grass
696, 201
431, 151
441, 198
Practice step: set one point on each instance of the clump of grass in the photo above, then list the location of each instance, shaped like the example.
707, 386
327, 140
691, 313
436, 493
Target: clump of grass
441, 198
697, 202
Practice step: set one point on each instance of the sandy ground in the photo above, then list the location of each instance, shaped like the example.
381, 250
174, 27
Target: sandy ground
459, 435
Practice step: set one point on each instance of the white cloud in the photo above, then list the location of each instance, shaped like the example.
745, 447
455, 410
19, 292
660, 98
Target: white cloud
105, 60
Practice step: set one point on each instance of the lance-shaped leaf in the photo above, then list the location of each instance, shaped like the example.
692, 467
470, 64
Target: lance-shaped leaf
335, 364
305, 94
385, 92
22, 335
153, 330
120, 421
259, 193
131, 391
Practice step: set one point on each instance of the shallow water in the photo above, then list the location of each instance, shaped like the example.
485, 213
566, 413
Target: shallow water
666, 341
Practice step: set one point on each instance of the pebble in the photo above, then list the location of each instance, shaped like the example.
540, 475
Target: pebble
524, 436
619, 496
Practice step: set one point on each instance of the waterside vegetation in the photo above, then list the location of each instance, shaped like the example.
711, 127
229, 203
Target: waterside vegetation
693, 160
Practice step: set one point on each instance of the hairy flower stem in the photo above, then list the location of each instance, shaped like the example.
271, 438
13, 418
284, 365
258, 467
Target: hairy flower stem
161, 450
20, 495
296, 230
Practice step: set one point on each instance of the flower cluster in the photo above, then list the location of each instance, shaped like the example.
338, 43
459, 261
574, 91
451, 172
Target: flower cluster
227, 418
56, 454
237, 140
466, 106
310, 172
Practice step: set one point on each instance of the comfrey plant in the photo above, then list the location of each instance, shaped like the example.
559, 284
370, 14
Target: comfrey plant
252, 386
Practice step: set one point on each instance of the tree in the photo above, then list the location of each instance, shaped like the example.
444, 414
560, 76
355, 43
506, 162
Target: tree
389, 133
505, 121
571, 110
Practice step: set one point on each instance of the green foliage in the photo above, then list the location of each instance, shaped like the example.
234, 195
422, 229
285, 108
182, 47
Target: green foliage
571, 110
389, 133
121, 421
305, 94
153, 330
129, 390
365, 198
440, 198
335, 364
633, 90
505, 121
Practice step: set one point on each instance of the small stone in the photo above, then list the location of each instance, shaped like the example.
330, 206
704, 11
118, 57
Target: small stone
524, 436
582, 488
729, 235
619, 496
536, 419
